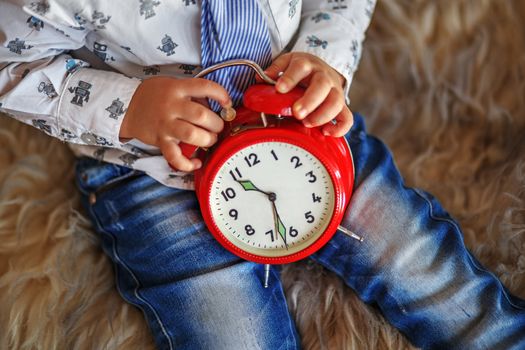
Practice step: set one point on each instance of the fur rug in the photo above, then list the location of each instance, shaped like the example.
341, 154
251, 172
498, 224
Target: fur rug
441, 82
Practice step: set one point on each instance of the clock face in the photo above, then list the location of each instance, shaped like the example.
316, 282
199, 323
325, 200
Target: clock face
272, 199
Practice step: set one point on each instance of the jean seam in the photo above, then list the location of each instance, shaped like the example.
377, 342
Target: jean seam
472, 262
135, 279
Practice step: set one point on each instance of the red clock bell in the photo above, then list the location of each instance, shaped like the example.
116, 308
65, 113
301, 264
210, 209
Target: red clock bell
271, 190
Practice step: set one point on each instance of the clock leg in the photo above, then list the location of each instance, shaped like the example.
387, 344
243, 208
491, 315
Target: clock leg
266, 275
350, 233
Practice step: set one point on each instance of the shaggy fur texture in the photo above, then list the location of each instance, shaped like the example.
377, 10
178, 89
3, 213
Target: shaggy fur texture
441, 82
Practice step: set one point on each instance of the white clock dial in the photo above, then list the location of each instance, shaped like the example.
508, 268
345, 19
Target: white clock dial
272, 199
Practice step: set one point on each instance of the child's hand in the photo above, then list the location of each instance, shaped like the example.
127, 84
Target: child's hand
164, 111
324, 98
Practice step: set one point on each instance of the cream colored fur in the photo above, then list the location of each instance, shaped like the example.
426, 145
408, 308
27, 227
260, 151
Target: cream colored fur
441, 82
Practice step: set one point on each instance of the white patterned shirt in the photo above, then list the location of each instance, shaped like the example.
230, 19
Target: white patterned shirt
70, 68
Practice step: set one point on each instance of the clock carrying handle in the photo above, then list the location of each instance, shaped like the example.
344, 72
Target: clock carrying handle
238, 62
189, 150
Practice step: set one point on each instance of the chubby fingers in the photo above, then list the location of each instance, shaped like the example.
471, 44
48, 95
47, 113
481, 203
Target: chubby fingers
202, 88
191, 134
330, 107
319, 90
173, 155
201, 116
343, 122
296, 71
183, 131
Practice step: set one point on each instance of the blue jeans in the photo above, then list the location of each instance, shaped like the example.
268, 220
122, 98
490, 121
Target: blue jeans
412, 264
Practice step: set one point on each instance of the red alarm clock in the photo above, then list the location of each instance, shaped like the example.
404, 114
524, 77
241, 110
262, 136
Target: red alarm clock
271, 190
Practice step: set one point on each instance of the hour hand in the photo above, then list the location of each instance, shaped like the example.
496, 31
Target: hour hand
249, 186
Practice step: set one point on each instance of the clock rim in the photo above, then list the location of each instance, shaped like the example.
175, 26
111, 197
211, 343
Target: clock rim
231, 145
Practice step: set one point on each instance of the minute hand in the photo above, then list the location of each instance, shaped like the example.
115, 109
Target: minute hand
279, 226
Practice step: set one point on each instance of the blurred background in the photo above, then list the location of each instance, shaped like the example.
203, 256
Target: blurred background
441, 82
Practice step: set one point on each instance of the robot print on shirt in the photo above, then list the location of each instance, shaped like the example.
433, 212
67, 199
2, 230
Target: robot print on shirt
116, 109
137, 151
186, 179
47, 89
99, 153
40, 7
92, 139
81, 93
187, 68
35, 23
81, 22
369, 9
17, 46
67, 135
314, 41
42, 125
293, 8
356, 52
100, 50
99, 20
72, 65
151, 70
147, 8
167, 45
338, 4
320, 17
128, 159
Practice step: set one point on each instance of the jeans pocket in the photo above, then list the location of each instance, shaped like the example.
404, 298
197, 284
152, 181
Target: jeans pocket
93, 176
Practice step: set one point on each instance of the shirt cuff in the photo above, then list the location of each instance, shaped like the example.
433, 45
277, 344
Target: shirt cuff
92, 106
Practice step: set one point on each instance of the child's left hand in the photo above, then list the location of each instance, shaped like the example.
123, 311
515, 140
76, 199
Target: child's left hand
324, 98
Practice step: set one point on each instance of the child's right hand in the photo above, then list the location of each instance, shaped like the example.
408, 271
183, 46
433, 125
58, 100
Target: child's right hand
164, 111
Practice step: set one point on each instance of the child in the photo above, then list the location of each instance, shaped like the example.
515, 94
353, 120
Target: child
195, 294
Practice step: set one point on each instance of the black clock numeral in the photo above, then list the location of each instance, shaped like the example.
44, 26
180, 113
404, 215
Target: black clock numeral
228, 194
249, 230
293, 232
274, 155
233, 213
252, 159
316, 198
309, 217
312, 178
237, 172
297, 162
271, 234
